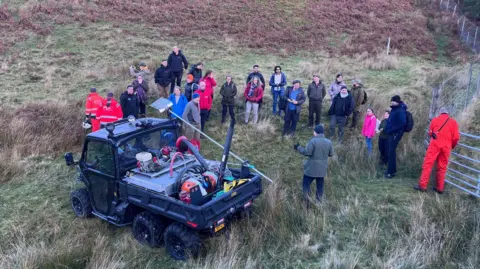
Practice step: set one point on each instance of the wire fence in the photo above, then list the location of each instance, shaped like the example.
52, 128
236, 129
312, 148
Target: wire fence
467, 30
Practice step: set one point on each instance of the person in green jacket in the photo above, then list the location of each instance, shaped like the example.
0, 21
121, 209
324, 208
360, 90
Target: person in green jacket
317, 150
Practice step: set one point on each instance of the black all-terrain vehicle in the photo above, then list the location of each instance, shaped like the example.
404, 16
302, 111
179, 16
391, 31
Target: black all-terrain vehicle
139, 172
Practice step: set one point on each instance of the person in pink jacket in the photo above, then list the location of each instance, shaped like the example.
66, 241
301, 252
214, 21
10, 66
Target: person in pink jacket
368, 129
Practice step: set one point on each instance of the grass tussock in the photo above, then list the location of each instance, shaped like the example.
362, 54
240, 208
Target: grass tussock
382, 61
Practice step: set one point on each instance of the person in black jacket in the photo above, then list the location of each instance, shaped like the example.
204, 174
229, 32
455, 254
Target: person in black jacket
129, 103
163, 77
395, 129
315, 93
177, 61
190, 87
342, 107
196, 72
228, 93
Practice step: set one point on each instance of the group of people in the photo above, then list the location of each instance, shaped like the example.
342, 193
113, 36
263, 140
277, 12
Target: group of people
194, 103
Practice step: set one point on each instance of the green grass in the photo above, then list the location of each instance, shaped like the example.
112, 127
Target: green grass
366, 222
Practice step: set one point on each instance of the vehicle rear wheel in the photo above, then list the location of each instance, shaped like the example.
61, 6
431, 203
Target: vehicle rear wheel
81, 203
181, 242
148, 229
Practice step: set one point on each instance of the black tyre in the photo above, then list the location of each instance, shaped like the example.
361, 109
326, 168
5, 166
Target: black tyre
245, 213
81, 203
148, 229
181, 242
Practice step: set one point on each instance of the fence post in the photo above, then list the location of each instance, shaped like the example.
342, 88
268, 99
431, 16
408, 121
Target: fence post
468, 36
448, 4
441, 1
475, 39
463, 26
478, 186
455, 9
468, 86
433, 106
477, 92
388, 46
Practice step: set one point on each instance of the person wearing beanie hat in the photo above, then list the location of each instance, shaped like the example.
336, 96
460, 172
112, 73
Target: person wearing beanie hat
394, 129
317, 150
93, 102
341, 108
358, 95
278, 81
315, 93
295, 97
228, 91
444, 136
190, 87
336, 85
196, 72
129, 103
191, 114
163, 78
144, 71
109, 111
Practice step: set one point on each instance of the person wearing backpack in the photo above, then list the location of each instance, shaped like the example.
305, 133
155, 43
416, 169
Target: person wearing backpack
358, 95
444, 136
395, 128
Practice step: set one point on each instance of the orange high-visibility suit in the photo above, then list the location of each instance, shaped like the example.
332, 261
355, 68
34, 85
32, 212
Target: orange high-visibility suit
439, 150
94, 101
109, 111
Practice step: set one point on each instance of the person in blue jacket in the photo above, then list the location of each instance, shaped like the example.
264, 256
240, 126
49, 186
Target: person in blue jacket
278, 80
394, 129
179, 101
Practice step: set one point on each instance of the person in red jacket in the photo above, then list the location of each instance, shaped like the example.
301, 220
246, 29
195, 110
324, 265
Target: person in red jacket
206, 100
210, 82
253, 94
444, 136
109, 111
94, 100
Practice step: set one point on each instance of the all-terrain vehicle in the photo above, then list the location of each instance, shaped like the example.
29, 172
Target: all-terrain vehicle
140, 172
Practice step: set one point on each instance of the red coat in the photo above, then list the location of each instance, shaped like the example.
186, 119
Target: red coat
257, 94
210, 83
206, 99
110, 113
94, 101
448, 136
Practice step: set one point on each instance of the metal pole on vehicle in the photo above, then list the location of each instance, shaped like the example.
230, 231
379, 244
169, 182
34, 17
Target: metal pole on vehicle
218, 144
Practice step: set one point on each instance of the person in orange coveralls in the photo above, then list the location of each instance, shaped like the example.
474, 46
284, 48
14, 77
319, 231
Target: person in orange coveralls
444, 136
109, 111
94, 101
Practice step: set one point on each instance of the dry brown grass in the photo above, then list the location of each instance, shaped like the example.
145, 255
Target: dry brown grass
382, 61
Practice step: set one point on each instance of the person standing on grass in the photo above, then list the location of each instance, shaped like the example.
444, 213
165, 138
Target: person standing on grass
191, 114
129, 103
206, 100
341, 108
278, 81
444, 136
383, 139
368, 130
179, 101
94, 101
144, 72
315, 93
358, 96
140, 86
253, 94
210, 82
394, 129
177, 62
190, 87
336, 86
109, 111
317, 150
256, 73
196, 72
163, 77
295, 97
229, 93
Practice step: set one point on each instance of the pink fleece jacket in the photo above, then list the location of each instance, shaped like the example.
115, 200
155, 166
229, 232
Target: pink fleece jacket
369, 125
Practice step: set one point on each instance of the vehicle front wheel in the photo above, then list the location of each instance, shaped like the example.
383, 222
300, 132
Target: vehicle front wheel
181, 242
148, 229
81, 203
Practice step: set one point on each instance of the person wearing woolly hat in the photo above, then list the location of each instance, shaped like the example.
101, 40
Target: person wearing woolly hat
394, 129
191, 114
190, 87
317, 150
341, 108
358, 95
444, 136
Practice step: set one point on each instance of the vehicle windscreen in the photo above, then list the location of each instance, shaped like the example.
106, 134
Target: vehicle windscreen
150, 142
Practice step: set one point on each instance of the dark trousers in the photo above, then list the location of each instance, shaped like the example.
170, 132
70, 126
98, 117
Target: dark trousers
307, 181
291, 118
355, 116
393, 141
204, 115
383, 149
224, 112
340, 121
314, 110
142, 108
177, 76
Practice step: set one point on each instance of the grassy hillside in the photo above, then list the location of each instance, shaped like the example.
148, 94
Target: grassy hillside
366, 221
